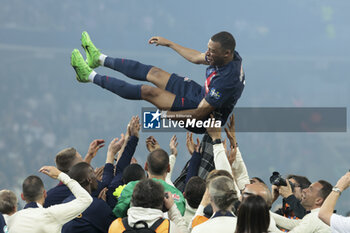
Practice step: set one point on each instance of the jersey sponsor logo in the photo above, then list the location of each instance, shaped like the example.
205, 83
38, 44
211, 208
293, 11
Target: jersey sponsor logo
214, 93
175, 196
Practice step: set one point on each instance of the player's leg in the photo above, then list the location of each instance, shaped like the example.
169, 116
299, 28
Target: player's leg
138, 71
132, 69
160, 98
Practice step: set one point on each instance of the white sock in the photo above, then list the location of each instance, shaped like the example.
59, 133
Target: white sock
102, 59
92, 76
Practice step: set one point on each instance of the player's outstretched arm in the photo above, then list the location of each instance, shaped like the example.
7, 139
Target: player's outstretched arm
199, 113
191, 55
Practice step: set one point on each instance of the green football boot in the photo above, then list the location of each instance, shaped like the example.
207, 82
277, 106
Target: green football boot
81, 68
92, 53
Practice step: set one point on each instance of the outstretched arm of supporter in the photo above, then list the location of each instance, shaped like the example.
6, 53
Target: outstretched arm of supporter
63, 213
195, 160
190, 55
129, 150
240, 172
95, 145
202, 111
328, 205
108, 170
126, 138
310, 223
284, 222
220, 159
172, 158
124, 160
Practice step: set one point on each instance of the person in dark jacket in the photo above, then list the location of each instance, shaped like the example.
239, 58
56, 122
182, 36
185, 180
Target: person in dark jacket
98, 216
291, 207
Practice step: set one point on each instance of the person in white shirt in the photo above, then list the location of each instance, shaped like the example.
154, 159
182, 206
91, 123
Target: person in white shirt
337, 222
39, 220
312, 199
230, 160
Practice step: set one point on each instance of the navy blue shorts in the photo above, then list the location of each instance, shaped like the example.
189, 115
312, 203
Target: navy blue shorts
188, 92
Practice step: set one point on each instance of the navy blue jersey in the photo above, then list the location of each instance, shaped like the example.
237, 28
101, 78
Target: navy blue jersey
223, 87
95, 219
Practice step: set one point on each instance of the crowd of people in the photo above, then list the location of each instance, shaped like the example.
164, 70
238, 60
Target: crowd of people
125, 196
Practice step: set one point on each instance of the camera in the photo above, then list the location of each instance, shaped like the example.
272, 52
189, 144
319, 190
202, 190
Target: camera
276, 179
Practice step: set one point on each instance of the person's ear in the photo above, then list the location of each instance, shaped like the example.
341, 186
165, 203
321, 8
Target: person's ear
319, 201
168, 169
146, 166
89, 180
45, 194
22, 197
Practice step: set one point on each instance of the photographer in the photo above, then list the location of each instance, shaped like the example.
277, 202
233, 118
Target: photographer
291, 192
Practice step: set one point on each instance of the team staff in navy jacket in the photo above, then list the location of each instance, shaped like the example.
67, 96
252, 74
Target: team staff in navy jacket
98, 216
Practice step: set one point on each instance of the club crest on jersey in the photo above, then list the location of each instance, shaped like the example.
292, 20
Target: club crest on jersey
210, 70
215, 94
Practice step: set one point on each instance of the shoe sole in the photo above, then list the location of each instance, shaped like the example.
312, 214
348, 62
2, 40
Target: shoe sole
76, 55
87, 39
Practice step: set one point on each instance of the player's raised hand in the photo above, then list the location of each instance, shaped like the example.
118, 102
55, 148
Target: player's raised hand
115, 145
134, 126
231, 131
95, 145
190, 143
157, 40
152, 144
173, 144
231, 154
51, 171
214, 132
